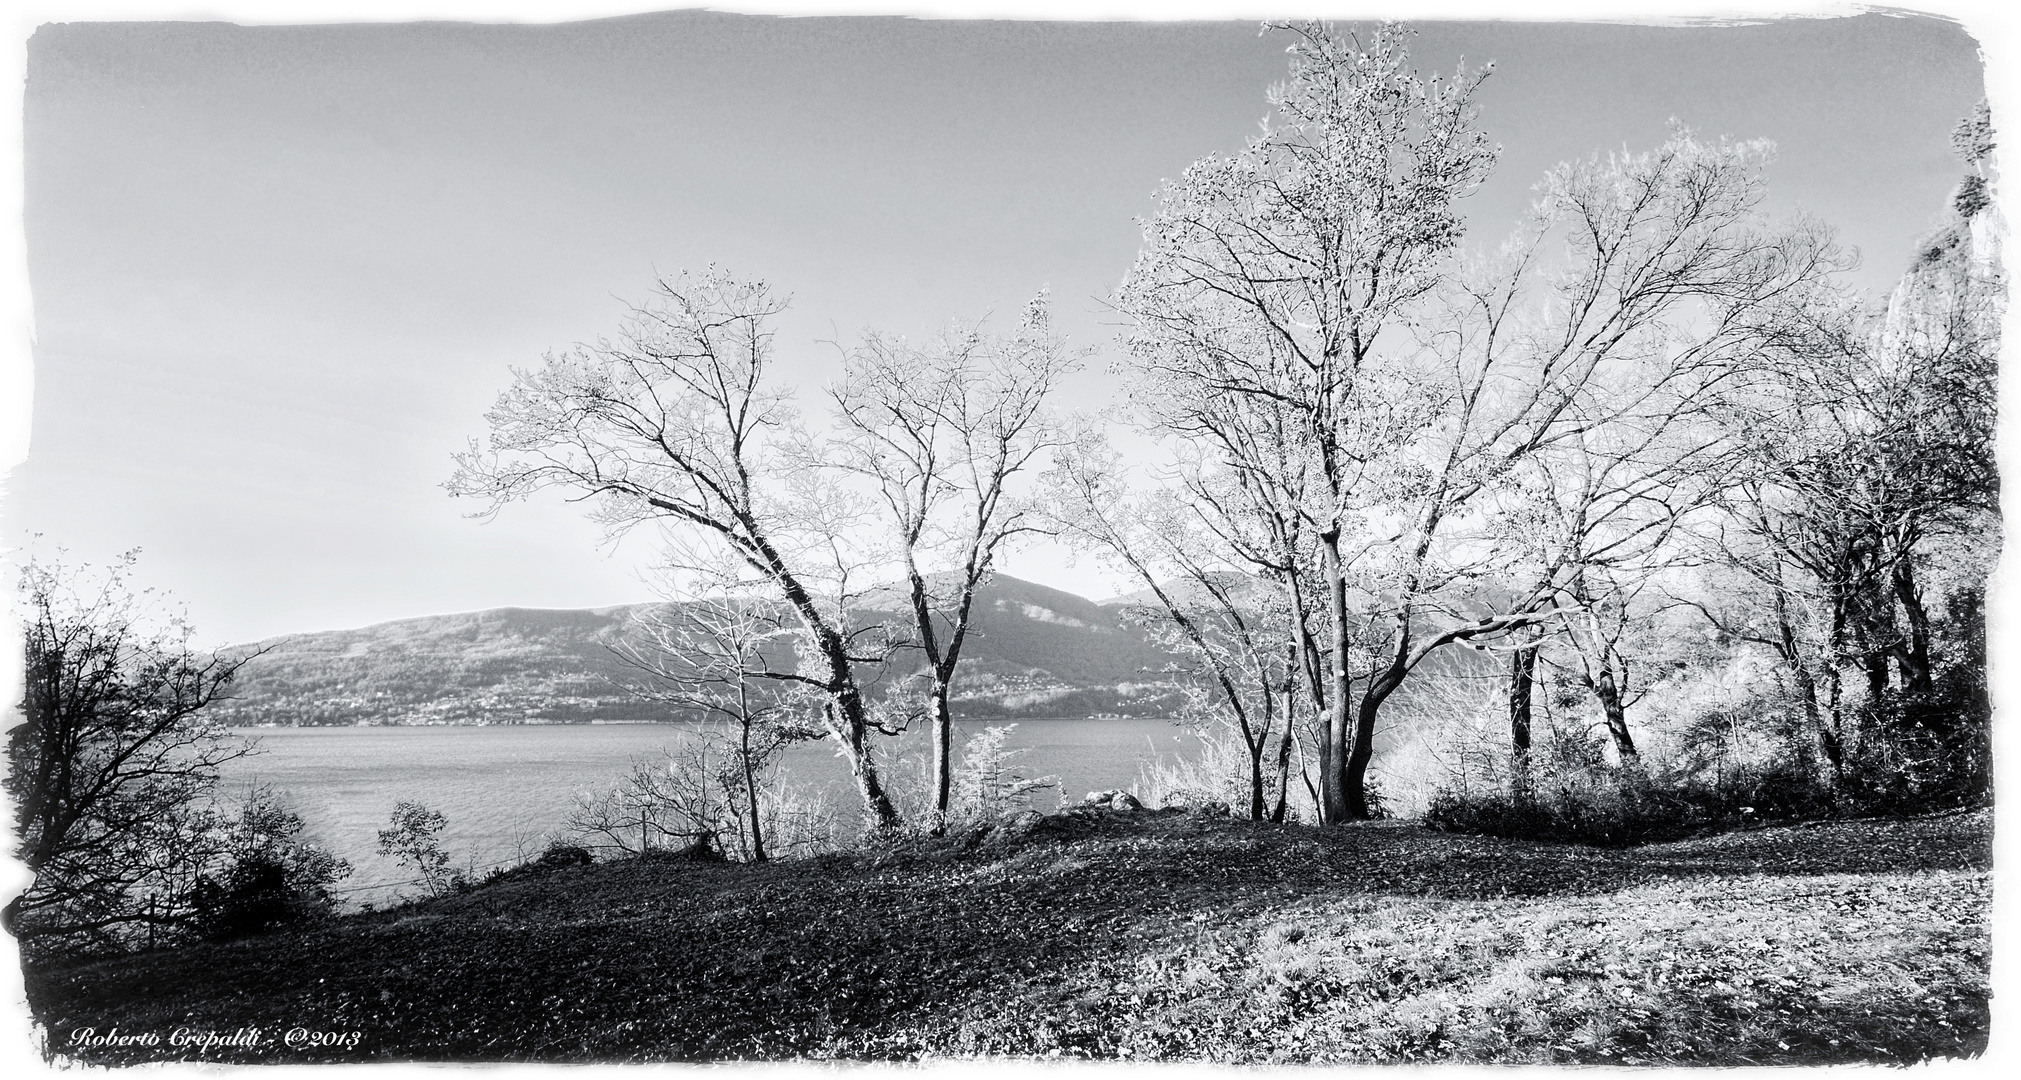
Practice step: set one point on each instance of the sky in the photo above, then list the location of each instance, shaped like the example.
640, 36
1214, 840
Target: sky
278, 273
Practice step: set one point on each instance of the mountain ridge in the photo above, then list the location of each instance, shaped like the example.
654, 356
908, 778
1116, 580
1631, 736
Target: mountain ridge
1032, 651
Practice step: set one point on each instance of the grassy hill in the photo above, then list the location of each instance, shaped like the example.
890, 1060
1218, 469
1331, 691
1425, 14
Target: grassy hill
1124, 936
1032, 652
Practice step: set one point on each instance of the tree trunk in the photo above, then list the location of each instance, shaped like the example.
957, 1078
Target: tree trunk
943, 728
1255, 751
1365, 731
1336, 802
750, 782
943, 752
1307, 661
1609, 693
1915, 654
1283, 771
1380, 687
1292, 654
1827, 758
853, 733
1522, 692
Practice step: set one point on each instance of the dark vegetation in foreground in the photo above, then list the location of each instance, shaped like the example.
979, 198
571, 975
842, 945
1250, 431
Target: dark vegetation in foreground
1152, 935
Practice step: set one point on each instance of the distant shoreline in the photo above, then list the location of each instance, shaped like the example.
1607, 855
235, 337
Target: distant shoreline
669, 723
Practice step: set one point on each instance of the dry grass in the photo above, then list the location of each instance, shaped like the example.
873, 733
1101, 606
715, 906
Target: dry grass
1137, 936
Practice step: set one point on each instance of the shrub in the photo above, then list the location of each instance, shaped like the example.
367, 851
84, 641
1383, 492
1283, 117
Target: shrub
988, 784
559, 855
252, 895
703, 848
1923, 751
1488, 814
270, 876
1216, 771
1610, 811
693, 802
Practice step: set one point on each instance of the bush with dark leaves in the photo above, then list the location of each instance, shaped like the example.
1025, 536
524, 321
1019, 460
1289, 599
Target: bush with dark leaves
1614, 811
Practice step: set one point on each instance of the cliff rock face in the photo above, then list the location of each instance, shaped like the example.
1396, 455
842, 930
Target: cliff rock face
1032, 652
1938, 348
1953, 298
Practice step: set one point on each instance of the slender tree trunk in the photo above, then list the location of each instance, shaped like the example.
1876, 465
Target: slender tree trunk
1835, 678
853, 733
1522, 693
1609, 694
1825, 761
945, 656
1308, 661
1915, 656
1255, 750
943, 729
943, 751
1257, 742
1335, 801
1292, 653
750, 778
1380, 687
1283, 773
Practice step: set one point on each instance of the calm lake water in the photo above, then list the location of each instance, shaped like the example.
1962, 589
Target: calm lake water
504, 788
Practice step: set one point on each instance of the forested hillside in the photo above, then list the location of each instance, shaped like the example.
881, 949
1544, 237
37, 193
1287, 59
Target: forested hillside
1035, 652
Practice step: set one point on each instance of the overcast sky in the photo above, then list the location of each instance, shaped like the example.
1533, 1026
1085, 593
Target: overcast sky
279, 272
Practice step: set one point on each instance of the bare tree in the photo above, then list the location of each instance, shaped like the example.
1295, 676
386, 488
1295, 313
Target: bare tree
674, 423
1227, 622
686, 804
1243, 473
1280, 273
113, 766
1415, 442
1596, 522
706, 658
1564, 369
946, 434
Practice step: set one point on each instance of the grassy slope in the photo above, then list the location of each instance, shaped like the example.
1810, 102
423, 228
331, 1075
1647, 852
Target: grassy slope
1138, 936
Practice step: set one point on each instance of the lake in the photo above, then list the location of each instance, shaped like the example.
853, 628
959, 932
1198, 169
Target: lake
503, 789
